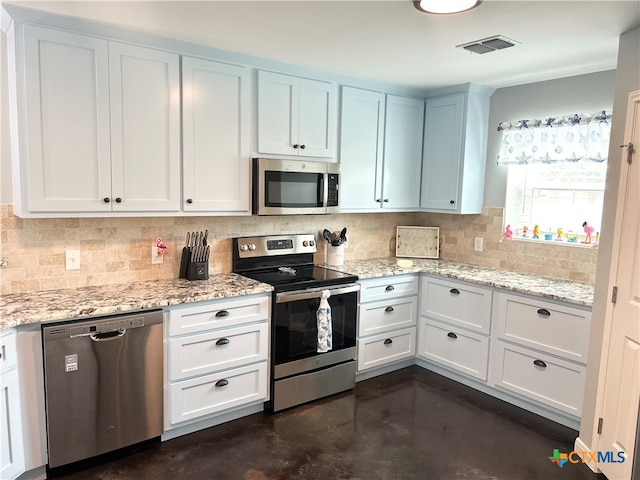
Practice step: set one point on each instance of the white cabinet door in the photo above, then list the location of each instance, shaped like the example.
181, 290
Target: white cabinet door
296, 116
216, 141
442, 152
11, 443
145, 128
361, 143
402, 153
66, 163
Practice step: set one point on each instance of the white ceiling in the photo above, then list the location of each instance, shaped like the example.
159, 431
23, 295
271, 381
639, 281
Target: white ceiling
389, 41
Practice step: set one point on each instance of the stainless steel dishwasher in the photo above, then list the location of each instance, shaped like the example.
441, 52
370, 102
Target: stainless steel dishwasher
103, 384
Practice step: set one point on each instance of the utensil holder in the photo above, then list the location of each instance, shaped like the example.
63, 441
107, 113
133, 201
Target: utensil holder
192, 270
335, 255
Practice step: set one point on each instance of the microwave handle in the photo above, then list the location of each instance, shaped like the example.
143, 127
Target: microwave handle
323, 189
315, 293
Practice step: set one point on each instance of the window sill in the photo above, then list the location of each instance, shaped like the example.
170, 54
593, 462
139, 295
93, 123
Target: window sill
553, 241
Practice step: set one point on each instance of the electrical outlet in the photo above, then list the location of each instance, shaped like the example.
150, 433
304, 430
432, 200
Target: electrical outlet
72, 259
156, 255
479, 244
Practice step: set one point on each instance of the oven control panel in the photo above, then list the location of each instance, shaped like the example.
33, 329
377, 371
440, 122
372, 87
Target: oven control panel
248, 247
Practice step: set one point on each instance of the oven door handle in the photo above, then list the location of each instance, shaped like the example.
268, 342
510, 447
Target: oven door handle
315, 293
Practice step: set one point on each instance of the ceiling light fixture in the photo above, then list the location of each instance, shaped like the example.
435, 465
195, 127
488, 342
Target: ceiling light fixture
446, 6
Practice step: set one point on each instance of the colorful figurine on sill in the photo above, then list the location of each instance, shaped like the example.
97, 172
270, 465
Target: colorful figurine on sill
508, 234
572, 237
536, 232
559, 233
588, 230
525, 231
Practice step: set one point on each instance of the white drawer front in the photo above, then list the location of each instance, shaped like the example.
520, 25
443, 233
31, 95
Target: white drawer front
218, 314
378, 317
556, 383
387, 348
455, 348
8, 350
215, 393
556, 329
375, 289
217, 350
456, 303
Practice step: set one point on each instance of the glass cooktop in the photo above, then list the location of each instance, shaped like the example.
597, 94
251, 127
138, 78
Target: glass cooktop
300, 277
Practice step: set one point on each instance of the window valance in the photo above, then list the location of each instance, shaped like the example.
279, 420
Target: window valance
568, 138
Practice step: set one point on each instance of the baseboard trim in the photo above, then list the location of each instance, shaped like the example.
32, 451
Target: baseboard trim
376, 372
580, 446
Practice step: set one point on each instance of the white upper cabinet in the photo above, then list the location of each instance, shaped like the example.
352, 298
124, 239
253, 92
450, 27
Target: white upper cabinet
296, 116
361, 144
145, 128
216, 140
101, 128
455, 149
402, 153
380, 151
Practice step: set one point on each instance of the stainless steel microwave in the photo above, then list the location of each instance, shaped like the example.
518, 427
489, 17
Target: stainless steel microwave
295, 187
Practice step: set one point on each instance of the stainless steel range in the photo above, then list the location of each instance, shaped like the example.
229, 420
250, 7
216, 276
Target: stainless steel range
299, 372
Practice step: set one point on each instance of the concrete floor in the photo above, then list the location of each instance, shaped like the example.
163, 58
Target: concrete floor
410, 424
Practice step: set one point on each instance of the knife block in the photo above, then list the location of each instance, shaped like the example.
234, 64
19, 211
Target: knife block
192, 270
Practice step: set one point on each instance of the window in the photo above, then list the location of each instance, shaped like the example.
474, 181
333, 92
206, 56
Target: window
556, 179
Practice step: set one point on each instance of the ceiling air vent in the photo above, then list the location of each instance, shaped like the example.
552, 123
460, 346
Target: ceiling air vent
487, 45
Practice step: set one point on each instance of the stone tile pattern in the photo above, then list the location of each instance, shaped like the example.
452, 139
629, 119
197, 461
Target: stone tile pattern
51, 305
552, 288
118, 250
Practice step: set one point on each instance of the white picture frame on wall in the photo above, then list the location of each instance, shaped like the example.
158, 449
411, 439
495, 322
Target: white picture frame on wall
418, 242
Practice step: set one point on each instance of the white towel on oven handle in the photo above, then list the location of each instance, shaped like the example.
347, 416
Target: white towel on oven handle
323, 317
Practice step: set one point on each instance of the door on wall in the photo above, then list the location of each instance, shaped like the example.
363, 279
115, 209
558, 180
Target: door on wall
622, 381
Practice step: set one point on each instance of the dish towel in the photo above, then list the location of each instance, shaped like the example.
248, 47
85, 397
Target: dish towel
323, 317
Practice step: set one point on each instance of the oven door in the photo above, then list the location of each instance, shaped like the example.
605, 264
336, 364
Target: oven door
296, 330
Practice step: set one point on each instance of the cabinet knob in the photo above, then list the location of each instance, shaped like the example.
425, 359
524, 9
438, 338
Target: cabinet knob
386, 200
544, 312
222, 383
189, 200
389, 288
452, 335
452, 202
295, 145
222, 341
106, 199
388, 341
222, 313
303, 147
379, 200
118, 200
454, 291
539, 363
388, 309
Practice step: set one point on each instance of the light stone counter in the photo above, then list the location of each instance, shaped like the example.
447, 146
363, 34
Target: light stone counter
51, 305
561, 290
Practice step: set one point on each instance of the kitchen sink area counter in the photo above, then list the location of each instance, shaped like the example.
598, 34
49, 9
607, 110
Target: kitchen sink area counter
53, 305
561, 290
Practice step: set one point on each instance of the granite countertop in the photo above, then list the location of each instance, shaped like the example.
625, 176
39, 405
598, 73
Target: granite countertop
51, 305
562, 290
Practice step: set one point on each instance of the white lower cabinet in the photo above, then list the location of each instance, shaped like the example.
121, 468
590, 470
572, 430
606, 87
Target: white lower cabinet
387, 322
217, 360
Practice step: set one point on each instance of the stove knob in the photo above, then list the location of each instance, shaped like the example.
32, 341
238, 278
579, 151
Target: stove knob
252, 246
305, 244
312, 243
243, 248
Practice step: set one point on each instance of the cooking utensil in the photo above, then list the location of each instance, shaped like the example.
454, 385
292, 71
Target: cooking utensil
343, 235
326, 234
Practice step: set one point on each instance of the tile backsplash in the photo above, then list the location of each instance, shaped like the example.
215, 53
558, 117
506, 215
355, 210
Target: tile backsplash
118, 250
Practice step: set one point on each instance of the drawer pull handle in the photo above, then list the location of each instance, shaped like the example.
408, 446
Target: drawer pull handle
389, 288
539, 363
222, 383
388, 309
388, 341
222, 313
454, 291
222, 341
452, 335
544, 311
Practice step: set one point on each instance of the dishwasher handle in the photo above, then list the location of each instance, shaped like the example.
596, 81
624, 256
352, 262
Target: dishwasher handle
106, 336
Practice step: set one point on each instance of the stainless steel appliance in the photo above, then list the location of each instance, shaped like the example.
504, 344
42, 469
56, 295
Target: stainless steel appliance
299, 372
103, 384
295, 187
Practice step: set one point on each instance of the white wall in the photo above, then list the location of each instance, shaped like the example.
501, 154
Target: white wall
580, 94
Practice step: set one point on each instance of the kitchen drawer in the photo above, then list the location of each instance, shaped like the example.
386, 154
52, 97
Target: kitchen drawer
218, 392
378, 317
217, 350
8, 350
218, 314
456, 348
382, 349
383, 288
456, 303
543, 378
556, 329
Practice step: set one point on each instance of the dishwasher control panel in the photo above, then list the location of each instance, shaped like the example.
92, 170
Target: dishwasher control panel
106, 327
101, 325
